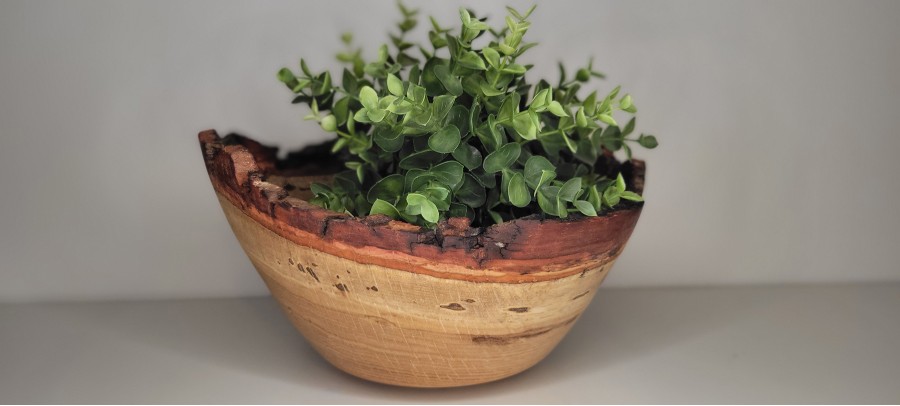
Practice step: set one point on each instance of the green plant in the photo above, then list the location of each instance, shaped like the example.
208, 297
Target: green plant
460, 133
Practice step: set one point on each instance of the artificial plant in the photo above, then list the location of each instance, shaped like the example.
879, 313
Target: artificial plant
457, 131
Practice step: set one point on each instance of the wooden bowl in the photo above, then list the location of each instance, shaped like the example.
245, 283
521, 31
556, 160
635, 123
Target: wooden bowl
394, 303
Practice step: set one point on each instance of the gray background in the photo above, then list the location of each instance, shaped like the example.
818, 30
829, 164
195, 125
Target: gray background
778, 124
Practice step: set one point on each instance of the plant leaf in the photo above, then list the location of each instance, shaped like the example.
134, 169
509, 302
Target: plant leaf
382, 207
570, 190
534, 168
387, 188
445, 140
647, 141
634, 197
524, 126
611, 196
557, 109
450, 82
420, 205
471, 192
368, 98
471, 60
449, 173
502, 158
620, 182
585, 208
394, 85
519, 195
420, 160
467, 155
492, 56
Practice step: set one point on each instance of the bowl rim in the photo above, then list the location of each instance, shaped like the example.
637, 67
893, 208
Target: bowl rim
526, 249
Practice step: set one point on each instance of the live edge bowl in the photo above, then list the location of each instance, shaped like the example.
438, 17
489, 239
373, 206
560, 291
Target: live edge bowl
398, 304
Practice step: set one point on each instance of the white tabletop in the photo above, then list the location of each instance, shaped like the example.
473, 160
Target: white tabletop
823, 344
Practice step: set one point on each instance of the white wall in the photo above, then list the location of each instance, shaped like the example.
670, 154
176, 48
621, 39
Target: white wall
778, 124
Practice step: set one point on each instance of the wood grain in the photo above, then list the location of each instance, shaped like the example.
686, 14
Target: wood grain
398, 304
409, 329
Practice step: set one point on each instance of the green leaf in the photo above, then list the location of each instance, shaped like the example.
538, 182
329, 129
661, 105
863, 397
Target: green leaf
557, 109
423, 117
439, 195
388, 139
611, 196
534, 168
394, 85
570, 190
400, 106
502, 158
519, 195
495, 135
376, 116
629, 127
388, 188
421, 205
459, 116
487, 89
626, 103
547, 201
541, 100
464, 16
585, 208
524, 125
471, 192
610, 138
420, 160
488, 180
620, 182
362, 116
471, 60
450, 82
514, 69
445, 140
569, 142
430, 212
586, 152
509, 107
647, 141
547, 176
305, 68
341, 110
606, 118
580, 119
368, 98
441, 107
614, 93
448, 173
492, 56
324, 84
467, 155
459, 210
563, 210
634, 197
382, 207
415, 93
287, 77
594, 197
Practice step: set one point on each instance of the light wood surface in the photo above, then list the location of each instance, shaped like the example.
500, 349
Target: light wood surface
409, 329
399, 304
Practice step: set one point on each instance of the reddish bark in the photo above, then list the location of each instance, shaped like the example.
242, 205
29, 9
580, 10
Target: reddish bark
521, 250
